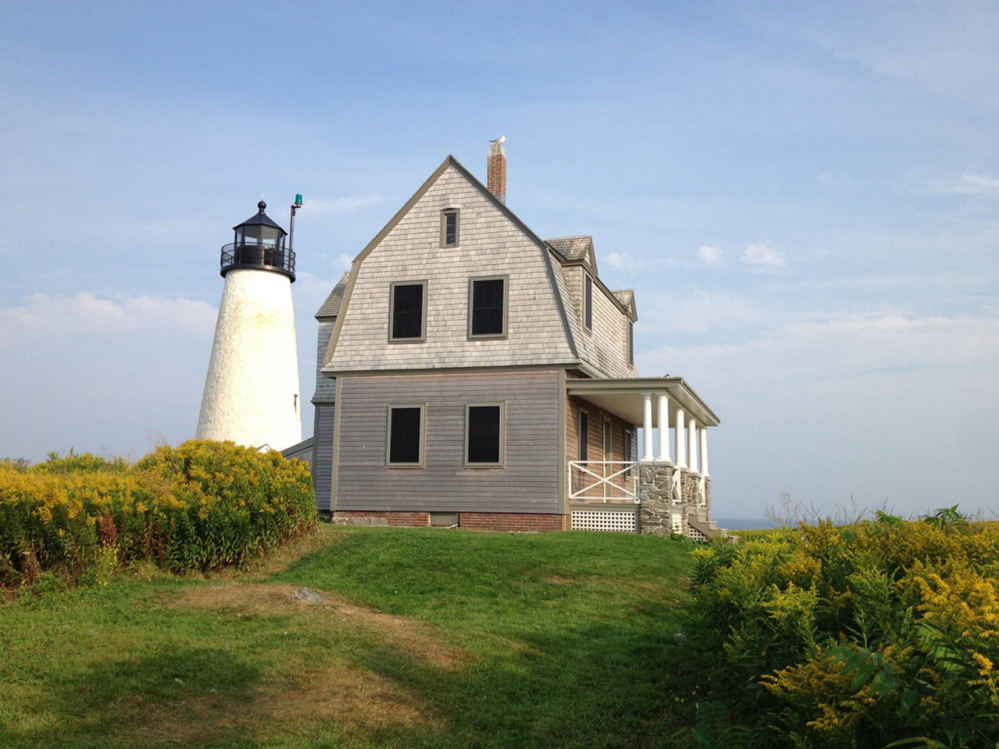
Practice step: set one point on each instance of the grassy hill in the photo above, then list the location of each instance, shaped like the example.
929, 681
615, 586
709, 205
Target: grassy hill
364, 637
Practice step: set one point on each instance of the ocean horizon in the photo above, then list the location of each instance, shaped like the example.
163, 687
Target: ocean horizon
744, 524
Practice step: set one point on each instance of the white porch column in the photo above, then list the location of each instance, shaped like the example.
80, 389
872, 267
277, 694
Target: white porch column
663, 422
647, 426
692, 445
704, 450
681, 444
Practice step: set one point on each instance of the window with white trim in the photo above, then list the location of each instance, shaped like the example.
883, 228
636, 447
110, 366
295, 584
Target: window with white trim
405, 436
408, 312
484, 434
487, 305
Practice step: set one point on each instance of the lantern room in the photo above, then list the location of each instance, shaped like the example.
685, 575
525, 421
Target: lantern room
260, 245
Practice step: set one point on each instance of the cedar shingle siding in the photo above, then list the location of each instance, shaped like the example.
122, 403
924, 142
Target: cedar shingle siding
543, 338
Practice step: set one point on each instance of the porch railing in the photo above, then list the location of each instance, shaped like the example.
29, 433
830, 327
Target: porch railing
603, 481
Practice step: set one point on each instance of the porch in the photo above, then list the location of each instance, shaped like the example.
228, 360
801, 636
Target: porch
667, 489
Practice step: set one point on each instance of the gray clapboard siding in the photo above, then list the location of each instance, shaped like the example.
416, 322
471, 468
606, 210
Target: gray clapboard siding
322, 456
325, 386
528, 482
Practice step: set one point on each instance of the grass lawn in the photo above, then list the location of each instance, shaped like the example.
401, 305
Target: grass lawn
423, 638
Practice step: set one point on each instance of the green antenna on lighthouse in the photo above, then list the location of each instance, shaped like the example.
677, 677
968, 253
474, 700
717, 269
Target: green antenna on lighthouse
291, 227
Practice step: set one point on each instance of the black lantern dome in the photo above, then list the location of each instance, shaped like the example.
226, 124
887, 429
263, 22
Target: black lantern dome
260, 244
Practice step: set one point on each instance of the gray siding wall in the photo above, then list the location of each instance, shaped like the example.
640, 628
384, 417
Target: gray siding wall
490, 244
528, 482
325, 386
322, 456
322, 440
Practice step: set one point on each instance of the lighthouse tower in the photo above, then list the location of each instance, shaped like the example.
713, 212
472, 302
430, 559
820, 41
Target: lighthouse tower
251, 392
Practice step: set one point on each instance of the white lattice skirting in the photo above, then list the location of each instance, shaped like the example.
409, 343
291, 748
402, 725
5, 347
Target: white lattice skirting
589, 520
695, 534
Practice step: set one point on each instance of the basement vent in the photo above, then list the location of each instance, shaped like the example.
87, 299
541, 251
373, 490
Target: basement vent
590, 520
444, 519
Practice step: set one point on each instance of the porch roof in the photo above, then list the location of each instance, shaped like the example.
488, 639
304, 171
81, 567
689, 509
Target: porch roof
624, 398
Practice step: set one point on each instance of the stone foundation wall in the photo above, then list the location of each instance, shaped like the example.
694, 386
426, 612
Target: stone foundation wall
659, 514
655, 490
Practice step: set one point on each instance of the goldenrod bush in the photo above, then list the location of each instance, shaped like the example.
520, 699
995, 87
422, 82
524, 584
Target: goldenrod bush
198, 506
856, 636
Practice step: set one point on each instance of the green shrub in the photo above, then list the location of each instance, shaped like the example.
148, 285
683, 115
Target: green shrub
198, 506
860, 636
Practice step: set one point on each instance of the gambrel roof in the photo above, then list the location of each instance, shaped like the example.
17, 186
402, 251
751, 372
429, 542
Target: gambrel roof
545, 322
331, 307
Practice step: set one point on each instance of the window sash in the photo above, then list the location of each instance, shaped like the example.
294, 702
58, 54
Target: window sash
408, 311
487, 307
449, 228
588, 307
405, 436
484, 434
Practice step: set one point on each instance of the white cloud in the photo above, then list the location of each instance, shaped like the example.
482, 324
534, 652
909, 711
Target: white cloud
616, 260
699, 311
351, 204
56, 315
968, 184
99, 374
877, 408
763, 254
709, 255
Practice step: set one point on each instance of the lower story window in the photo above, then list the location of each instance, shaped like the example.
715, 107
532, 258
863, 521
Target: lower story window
484, 434
405, 436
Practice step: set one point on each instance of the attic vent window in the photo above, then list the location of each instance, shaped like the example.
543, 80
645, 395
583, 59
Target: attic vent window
449, 227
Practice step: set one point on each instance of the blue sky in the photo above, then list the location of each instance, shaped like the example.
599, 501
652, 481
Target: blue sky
804, 196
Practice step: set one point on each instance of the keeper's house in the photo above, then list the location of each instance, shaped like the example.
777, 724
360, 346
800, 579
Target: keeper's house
472, 374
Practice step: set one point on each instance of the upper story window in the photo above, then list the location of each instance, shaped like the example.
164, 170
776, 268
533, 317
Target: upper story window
408, 312
449, 227
405, 436
487, 307
588, 302
631, 342
484, 434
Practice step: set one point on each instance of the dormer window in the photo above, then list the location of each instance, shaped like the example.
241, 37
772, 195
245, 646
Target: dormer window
449, 227
631, 342
588, 303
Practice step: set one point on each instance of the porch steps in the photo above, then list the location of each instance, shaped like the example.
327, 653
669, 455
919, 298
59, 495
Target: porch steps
700, 523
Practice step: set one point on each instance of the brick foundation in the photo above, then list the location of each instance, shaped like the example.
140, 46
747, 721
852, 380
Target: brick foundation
511, 521
476, 521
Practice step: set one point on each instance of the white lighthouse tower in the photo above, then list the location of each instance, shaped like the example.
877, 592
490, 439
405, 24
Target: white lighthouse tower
252, 395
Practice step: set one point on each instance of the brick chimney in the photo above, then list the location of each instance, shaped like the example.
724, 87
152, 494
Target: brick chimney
496, 170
